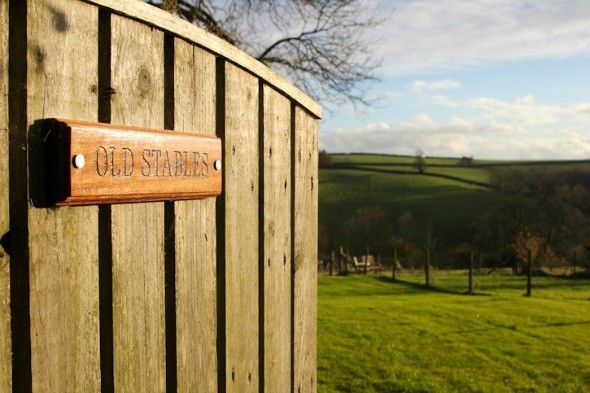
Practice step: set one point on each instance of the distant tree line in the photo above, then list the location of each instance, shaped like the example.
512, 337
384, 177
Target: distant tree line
546, 211
542, 211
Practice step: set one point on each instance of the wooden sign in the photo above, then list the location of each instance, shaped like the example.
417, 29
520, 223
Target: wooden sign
103, 163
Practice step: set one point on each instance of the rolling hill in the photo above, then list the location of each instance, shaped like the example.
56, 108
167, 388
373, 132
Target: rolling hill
450, 193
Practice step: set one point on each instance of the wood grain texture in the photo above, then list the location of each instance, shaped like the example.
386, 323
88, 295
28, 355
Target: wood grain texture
168, 22
241, 230
195, 231
138, 229
277, 242
305, 248
5, 339
63, 243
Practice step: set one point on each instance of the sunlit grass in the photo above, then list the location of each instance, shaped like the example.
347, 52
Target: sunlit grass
376, 335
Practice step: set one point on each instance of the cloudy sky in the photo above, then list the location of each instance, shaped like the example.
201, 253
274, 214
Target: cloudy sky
504, 79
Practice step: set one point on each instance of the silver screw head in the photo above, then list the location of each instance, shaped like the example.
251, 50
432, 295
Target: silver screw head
217, 165
79, 161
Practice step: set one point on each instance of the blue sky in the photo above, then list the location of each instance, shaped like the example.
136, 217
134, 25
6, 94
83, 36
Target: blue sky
501, 79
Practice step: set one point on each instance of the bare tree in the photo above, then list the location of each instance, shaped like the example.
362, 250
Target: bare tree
321, 46
369, 227
324, 159
541, 210
420, 161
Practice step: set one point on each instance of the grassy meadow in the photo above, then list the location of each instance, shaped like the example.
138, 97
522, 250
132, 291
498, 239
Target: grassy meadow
380, 335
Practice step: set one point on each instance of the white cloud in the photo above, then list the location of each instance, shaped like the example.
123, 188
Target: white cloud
418, 121
444, 84
387, 94
433, 34
526, 100
463, 123
523, 129
526, 111
439, 99
523, 112
581, 111
495, 141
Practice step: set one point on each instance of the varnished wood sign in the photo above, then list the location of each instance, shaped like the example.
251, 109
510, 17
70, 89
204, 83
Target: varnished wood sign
102, 163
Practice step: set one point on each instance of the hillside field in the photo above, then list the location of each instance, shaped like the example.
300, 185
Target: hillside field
450, 194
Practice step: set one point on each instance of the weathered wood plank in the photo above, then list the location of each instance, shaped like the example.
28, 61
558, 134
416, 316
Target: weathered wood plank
241, 230
182, 28
138, 229
5, 339
195, 231
277, 242
305, 249
63, 243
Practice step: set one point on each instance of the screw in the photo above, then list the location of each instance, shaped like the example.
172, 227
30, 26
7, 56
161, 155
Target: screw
79, 161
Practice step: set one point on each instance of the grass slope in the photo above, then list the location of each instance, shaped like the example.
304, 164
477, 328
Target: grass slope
376, 335
452, 202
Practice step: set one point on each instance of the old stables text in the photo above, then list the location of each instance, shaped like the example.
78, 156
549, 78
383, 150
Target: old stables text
111, 162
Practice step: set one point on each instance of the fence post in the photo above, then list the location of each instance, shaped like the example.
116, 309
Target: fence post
346, 261
575, 261
366, 261
529, 273
471, 272
427, 267
394, 263
331, 263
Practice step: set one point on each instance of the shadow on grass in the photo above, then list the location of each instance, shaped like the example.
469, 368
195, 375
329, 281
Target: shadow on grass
548, 282
522, 328
428, 288
583, 275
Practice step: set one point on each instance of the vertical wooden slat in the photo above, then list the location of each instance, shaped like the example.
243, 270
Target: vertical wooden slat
63, 247
277, 241
305, 157
196, 319
5, 341
138, 229
241, 229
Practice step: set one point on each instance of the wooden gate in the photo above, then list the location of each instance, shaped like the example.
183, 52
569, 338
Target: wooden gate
206, 295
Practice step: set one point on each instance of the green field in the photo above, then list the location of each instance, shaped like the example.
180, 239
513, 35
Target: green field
451, 205
452, 202
376, 335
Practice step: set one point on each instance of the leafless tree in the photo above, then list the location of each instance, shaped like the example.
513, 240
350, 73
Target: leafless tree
324, 159
321, 46
368, 227
542, 210
420, 161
